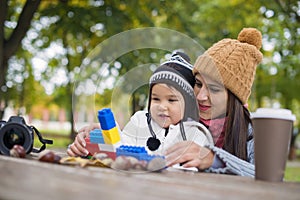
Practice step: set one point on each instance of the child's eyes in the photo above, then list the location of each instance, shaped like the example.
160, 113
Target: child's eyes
158, 99
155, 99
173, 100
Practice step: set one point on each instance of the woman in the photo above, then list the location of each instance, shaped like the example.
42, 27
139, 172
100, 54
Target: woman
224, 76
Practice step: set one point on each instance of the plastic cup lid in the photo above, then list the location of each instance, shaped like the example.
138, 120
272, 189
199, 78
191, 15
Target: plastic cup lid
277, 113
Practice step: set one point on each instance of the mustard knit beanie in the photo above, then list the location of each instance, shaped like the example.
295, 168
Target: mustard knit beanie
233, 62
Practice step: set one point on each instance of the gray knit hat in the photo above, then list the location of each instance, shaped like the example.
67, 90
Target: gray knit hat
177, 72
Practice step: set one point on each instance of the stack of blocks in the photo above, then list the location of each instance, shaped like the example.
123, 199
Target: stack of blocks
107, 139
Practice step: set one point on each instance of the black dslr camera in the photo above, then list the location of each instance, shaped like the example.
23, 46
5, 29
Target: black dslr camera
15, 131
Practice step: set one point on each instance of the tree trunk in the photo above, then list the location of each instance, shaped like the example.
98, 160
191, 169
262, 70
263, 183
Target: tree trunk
69, 86
73, 132
71, 116
3, 67
8, 47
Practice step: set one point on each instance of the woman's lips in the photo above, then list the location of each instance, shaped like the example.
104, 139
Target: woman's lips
203, 107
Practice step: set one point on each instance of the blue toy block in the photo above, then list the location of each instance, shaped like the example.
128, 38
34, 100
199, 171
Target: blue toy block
96, 136
97, 140
150, 157
133, 151
137, 152
106, 119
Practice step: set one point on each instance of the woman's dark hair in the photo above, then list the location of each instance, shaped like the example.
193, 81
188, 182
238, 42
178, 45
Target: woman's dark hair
236, 133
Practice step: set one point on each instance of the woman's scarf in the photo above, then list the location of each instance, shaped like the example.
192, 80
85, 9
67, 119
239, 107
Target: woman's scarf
217, 128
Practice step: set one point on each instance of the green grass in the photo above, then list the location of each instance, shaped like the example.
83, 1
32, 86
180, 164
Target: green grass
292, 174
58, 142
55, 132
60, 138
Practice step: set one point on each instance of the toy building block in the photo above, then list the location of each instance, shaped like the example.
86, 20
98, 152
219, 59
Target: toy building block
96, 136
110, 131
111, 136
95, 148
106, 119
106, 140
109, 147
91, 147
150, 157
138, 152
111, 155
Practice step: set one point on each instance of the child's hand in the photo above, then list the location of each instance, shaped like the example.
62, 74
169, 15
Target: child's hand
77, 148
87, 129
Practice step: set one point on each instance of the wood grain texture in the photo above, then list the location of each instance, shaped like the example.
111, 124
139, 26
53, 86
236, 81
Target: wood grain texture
31, 179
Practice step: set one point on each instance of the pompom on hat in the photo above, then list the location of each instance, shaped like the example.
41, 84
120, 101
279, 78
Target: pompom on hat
233, 62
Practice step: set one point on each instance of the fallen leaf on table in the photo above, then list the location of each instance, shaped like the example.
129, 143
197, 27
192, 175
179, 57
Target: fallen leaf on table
83, 162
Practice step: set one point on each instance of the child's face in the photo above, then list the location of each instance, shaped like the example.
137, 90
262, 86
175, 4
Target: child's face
167, 105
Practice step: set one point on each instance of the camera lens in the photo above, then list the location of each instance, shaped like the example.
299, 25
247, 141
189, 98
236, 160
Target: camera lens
13, 136
14, 133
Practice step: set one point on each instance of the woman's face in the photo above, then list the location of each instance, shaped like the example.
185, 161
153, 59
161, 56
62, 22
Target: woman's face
167, 105
211, 97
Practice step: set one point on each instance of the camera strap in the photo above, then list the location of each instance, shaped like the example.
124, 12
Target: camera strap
42, 140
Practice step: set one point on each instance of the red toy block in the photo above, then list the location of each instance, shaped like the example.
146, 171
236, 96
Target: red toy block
94, 148
91, 147
112, 155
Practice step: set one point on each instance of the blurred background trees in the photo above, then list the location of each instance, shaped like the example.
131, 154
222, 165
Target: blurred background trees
43, 44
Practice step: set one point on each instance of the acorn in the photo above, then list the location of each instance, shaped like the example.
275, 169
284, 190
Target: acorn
47, 156
141, 165
57, 159
133, 161
100, 156
107, 161
156, 164
121, 163
17, 151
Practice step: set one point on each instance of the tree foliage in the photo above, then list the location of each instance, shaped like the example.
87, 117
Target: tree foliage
62, 33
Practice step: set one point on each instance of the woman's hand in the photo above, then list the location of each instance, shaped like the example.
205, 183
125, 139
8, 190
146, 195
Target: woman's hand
189, 154
77, 148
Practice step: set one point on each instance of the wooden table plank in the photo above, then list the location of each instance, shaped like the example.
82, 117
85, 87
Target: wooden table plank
30, 179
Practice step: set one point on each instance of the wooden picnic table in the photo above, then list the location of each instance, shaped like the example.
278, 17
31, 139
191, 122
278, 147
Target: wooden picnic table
30, 179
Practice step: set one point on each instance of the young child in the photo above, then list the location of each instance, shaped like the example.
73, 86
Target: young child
172, 114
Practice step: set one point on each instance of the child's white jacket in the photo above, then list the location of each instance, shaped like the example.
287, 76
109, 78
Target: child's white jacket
136, 132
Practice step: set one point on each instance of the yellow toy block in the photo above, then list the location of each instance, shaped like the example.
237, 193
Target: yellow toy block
111, 136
